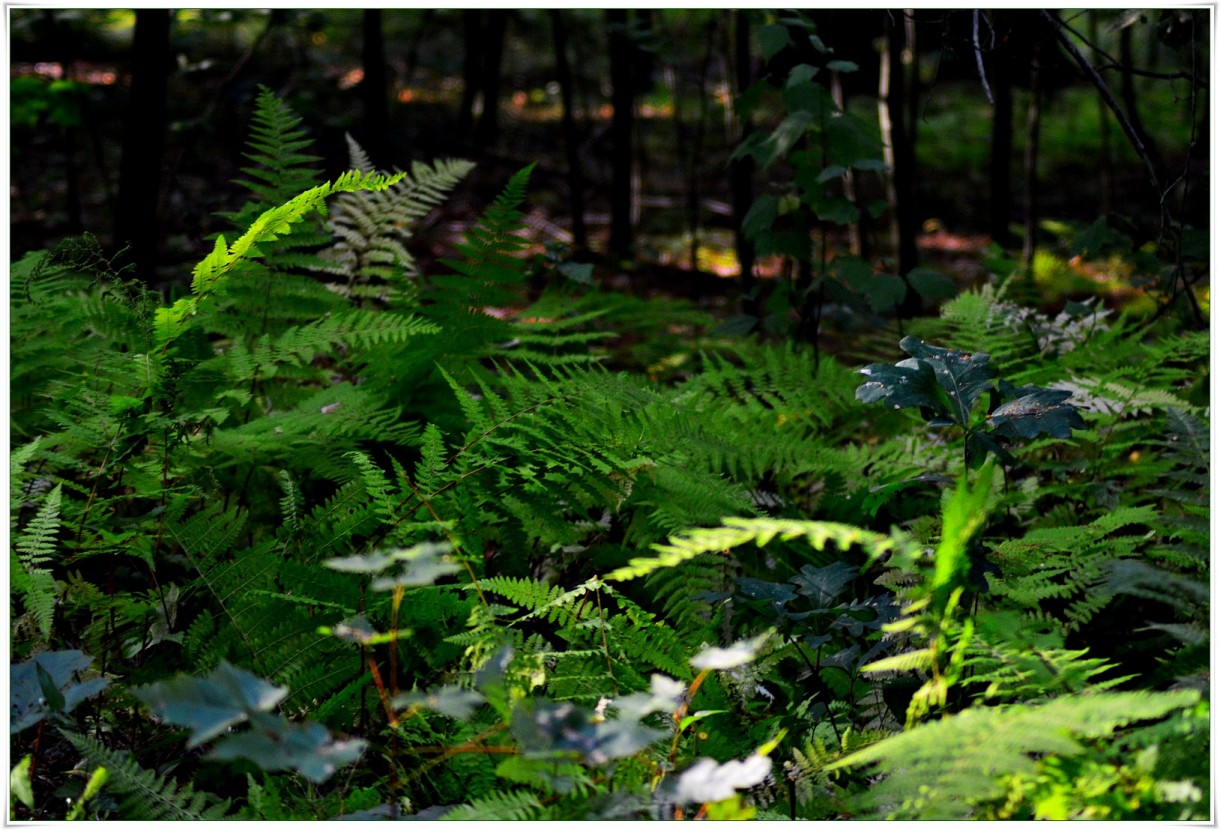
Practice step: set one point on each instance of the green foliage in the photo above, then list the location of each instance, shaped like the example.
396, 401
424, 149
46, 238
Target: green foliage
942, 770
488, 541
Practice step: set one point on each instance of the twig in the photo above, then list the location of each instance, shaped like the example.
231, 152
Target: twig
978, 56
1106, 95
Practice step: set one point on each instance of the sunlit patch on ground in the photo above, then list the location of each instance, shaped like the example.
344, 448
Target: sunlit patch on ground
85, 73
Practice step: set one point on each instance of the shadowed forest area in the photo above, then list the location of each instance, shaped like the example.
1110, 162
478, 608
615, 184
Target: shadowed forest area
552, 414
655, 131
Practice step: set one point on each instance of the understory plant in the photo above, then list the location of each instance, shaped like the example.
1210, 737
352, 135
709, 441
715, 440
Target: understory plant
331, 535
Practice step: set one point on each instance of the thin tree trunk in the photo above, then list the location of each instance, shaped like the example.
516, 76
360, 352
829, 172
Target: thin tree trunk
622, 126
1001, 141
144, 142
741, 171
1103, 135
374, 89
576, 187
1033, 133
855, 231
902, 135
488, 129
1131, 99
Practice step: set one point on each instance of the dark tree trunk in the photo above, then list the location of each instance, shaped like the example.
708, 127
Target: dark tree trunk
488, 129
741, 171
897, 113
375, 90
901, 47
622, 125
1001, 141
144, 142
1033, 134
1103, 135
1131, 99
576, 187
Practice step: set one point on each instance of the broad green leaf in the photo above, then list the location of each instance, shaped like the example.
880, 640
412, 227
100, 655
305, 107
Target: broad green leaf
209, 705
1039, 413
451, 701
772, 39
28, 703
932, 285
277, 743
19, 782
823, 585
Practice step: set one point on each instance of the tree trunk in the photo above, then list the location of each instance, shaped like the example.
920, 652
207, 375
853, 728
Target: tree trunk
1131, 99
1001, 141
1103, 135
622, 125
741, 171
374, 89
488, 129
576, 186
902, 141
1033, 133
855, 231
144, 142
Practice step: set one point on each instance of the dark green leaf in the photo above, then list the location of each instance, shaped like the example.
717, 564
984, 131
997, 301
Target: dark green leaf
907, 383
772, 39
28, 702
836, 209
761, 215
932, 285
1040, 413
823, 585
276, 743
769, 591
577, 272
842, 66
963, 377
210, 705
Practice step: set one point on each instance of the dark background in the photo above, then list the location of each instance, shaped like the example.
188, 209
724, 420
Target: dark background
130, 125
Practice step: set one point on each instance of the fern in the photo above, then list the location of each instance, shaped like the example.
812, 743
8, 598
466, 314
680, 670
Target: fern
372, 228
941, 770
279, 169
35, 547
149, 795
736, 532
520, 805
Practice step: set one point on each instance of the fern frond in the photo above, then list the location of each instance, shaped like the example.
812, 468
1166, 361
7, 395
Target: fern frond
372, 228
735, 532
150, 796
213, 271
939, 770
519, 805
35, 548
279, 167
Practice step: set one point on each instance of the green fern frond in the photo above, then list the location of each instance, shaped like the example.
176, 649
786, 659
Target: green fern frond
213, 271
735, 532
149, 796
372, 228
36, 547
939, 770
279, 167
519, 805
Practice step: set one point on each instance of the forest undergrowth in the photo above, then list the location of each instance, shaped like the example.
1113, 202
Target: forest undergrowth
328, 536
